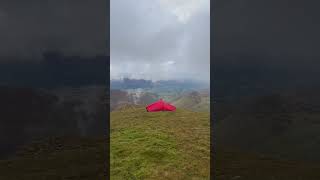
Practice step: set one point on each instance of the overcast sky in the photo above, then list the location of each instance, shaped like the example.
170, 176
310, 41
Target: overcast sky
285, 28
160, 39
75, 27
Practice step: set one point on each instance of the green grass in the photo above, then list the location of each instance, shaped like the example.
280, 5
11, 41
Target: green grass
71, 158
232, 164
164, 145
161, 145
140, 152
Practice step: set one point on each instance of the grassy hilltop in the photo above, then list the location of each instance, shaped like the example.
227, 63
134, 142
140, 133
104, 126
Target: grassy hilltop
164, 145
233, 164
71, 158
161, 145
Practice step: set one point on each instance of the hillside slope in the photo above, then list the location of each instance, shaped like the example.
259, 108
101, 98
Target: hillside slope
170, 145
194, 101
278, 125
234, 164
83, 158
73, 158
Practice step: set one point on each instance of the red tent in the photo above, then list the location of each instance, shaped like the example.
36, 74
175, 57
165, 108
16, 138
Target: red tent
160, 106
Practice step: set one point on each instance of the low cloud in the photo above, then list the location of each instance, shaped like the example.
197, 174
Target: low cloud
160, 39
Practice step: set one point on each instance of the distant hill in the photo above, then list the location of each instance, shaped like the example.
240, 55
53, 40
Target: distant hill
28, 113
156, 86
194, 100
119, 98
141, 97
240, 75
283, 126
54, 70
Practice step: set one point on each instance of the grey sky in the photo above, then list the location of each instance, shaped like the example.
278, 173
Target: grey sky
77, 27
273, 27
160, 39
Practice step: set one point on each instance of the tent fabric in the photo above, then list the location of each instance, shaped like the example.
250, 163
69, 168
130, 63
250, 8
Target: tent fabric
160, 106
